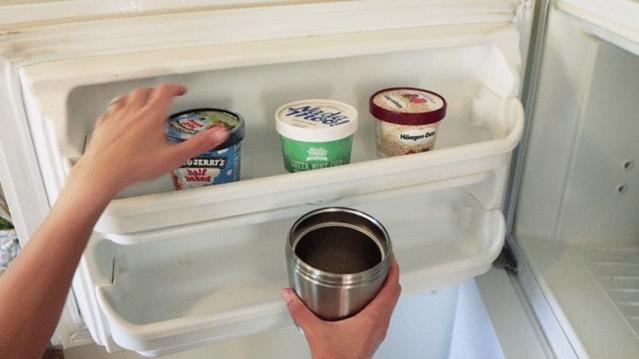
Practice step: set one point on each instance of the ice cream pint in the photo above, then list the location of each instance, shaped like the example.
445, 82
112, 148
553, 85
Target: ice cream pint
219, 165
315, 133
407, 120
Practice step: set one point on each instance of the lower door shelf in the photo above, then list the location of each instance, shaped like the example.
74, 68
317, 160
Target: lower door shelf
188, 291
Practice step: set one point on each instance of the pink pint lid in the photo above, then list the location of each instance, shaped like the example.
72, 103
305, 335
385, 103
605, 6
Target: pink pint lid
407, 106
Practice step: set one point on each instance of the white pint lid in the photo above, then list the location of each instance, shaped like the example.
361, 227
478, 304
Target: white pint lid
316, 120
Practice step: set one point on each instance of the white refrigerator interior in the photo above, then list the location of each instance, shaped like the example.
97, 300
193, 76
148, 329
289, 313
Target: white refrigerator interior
577, 223
170, 271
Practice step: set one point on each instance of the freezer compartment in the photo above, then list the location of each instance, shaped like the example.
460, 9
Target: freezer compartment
577, 222
581, 179
191, 290
473, 67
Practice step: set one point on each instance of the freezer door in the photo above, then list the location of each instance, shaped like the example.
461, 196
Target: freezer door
19, 173
575, 226
60, 73
24, 190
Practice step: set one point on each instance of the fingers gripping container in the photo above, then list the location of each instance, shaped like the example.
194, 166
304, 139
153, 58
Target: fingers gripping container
218, 165
316, 133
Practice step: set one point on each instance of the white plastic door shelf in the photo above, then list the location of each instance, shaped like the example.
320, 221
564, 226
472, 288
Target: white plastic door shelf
208, 286
476, 74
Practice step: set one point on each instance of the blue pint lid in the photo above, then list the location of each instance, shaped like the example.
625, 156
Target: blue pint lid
186, 124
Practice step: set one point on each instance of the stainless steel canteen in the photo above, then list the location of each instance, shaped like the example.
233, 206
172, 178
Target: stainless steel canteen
337, 260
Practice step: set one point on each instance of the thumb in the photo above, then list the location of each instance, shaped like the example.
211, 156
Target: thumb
302, 316
200, 143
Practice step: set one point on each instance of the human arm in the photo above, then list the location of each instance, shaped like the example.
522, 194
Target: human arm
357, 337
128, 145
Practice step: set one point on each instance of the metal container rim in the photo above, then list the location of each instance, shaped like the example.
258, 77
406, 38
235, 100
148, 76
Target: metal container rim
333, 279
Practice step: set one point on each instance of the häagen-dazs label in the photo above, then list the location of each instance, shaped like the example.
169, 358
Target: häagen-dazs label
417, 137
397, 140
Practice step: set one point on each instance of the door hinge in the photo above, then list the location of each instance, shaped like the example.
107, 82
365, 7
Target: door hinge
506, 258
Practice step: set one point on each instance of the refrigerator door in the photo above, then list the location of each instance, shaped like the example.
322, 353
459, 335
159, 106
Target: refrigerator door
576, 227
166, 271
23, 184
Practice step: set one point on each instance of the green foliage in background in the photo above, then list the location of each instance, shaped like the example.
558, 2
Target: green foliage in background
4, 224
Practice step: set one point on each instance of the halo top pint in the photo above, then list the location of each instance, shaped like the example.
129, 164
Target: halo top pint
407, 120
315, 133
220, 164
